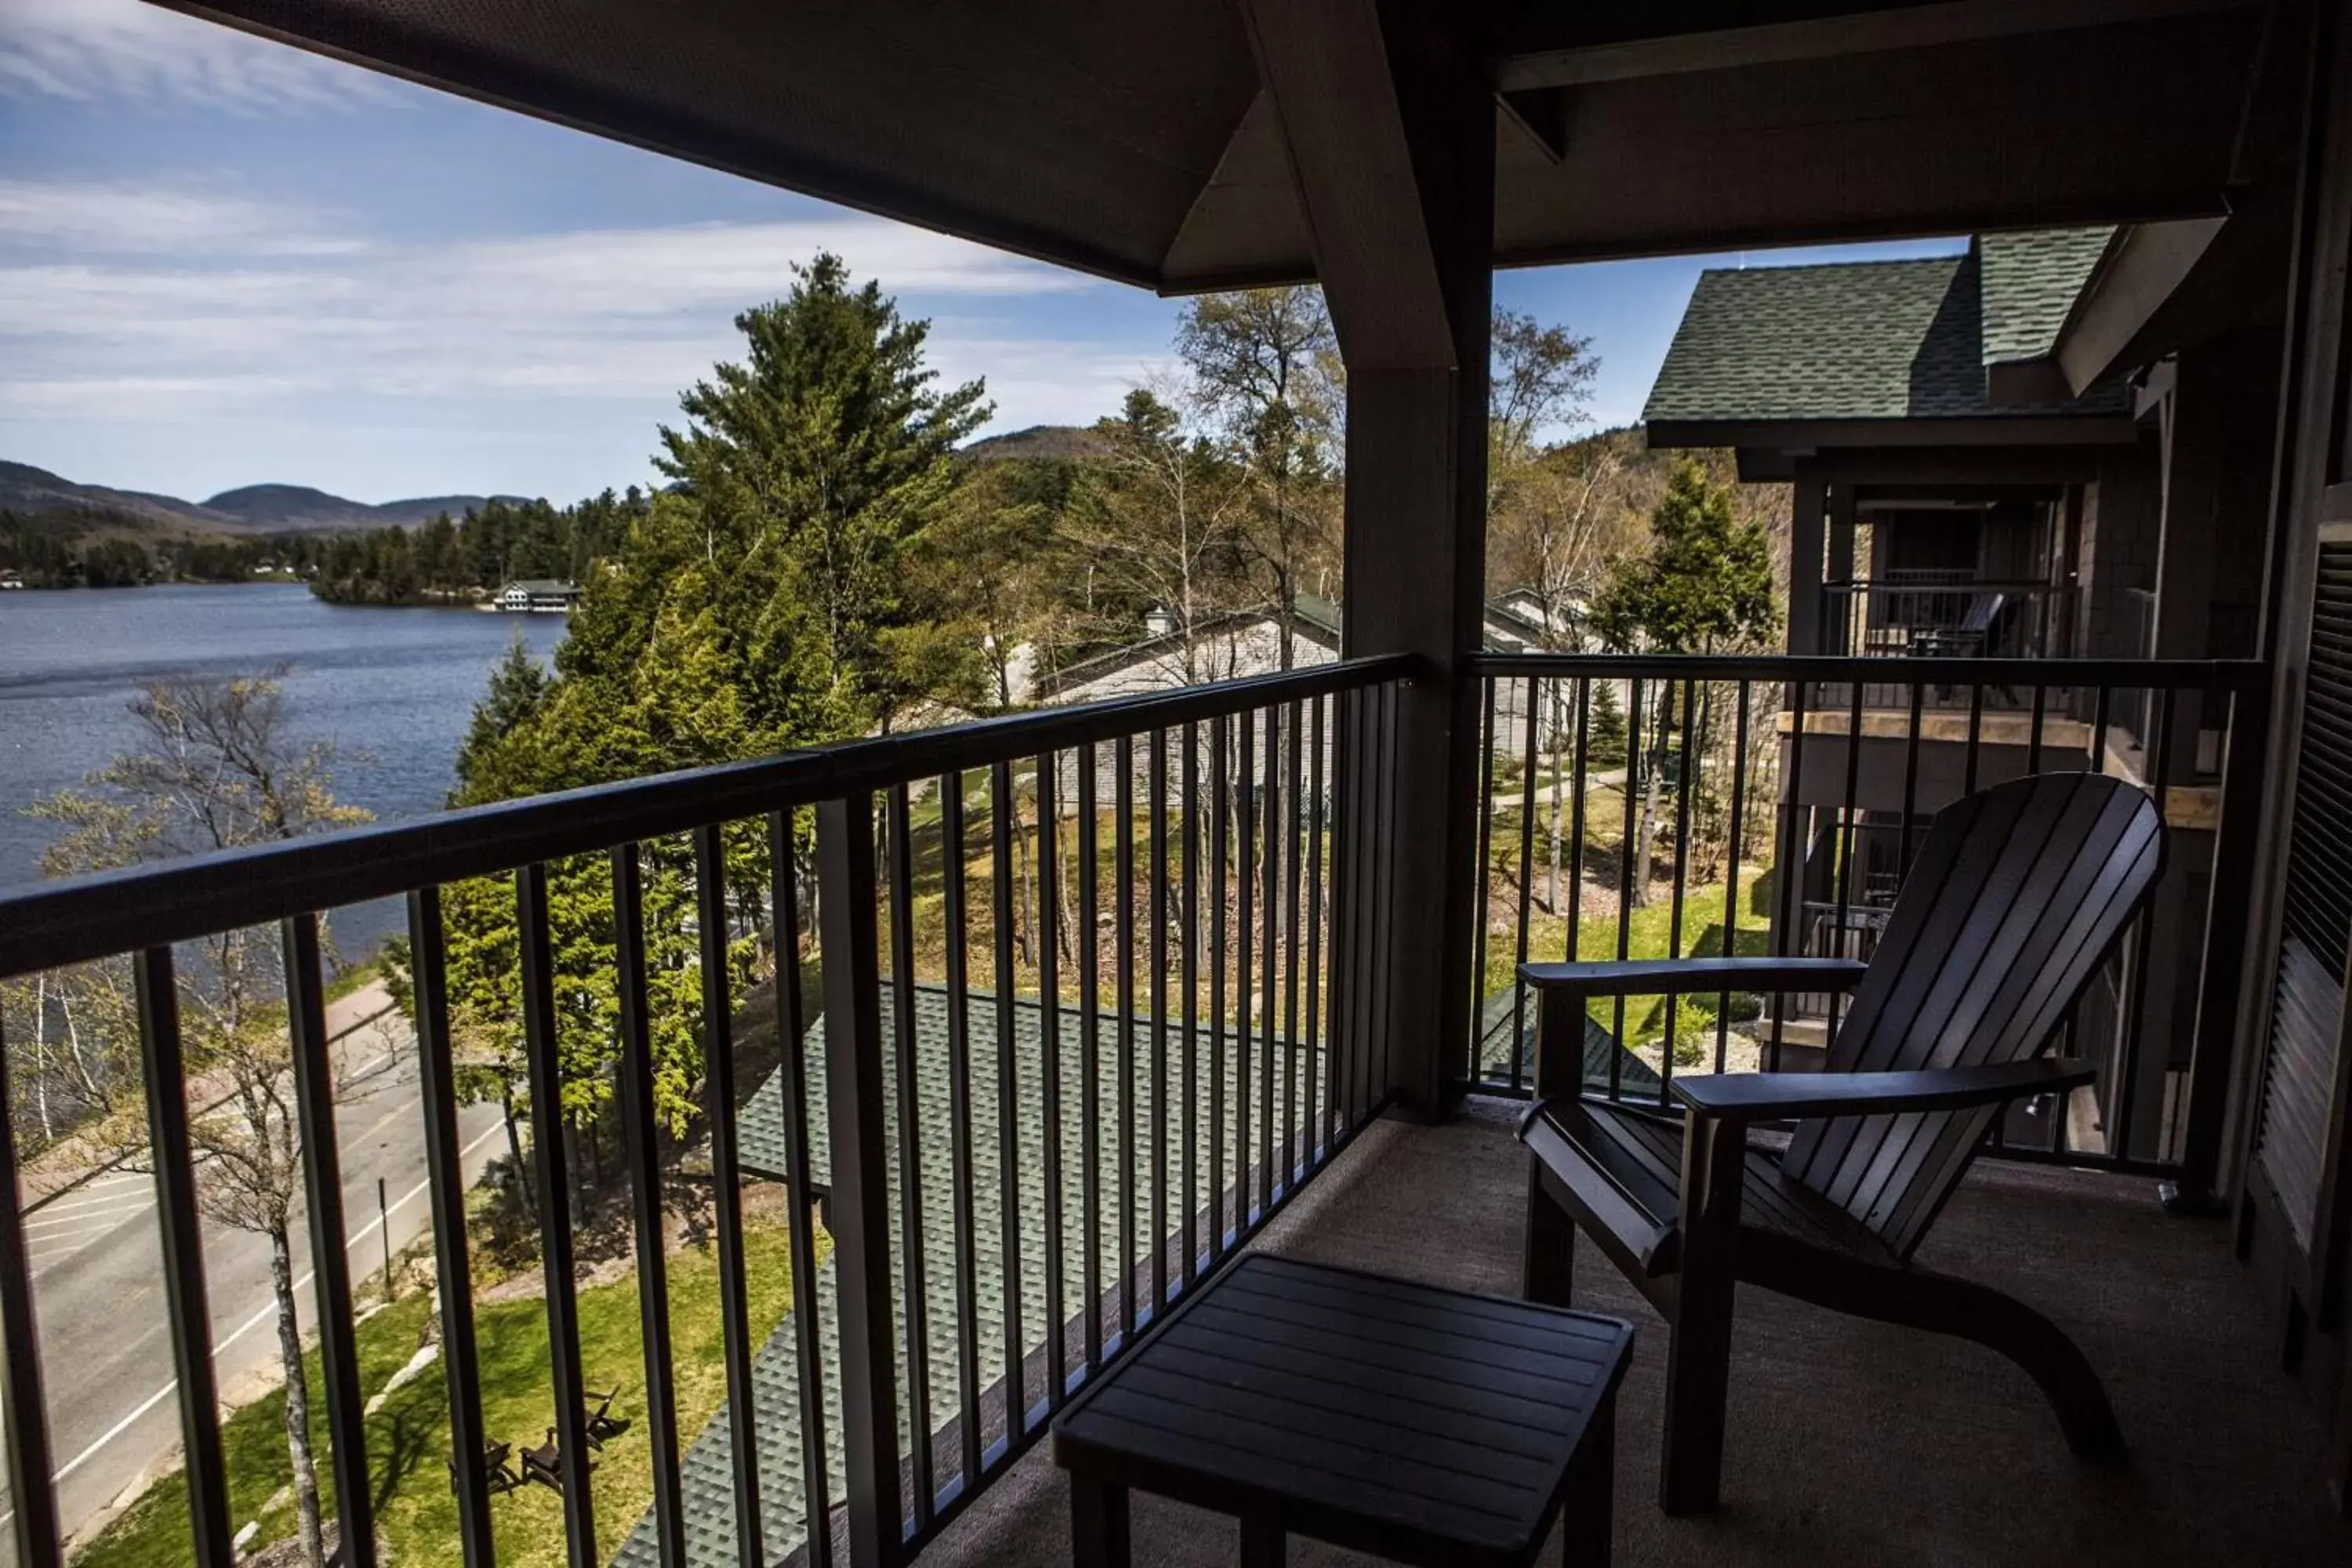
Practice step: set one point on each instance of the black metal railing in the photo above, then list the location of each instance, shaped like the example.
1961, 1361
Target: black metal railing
1647, 806
1094, 1001
1945, 615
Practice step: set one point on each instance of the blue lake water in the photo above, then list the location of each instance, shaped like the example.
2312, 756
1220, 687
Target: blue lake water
392, 689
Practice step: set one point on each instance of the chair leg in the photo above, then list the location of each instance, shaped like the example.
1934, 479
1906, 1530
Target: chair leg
1548, 1269
1264, 1545
1943, 1304
1699, 1389
1098, 1525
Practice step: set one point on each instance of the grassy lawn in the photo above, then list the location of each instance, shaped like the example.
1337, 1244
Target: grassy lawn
408, 1439
1648, 929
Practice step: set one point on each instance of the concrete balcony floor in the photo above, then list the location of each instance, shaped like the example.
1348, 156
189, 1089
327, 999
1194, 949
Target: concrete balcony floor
1851, 1442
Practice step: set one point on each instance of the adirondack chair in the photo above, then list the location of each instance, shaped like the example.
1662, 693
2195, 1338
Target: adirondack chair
2019, 895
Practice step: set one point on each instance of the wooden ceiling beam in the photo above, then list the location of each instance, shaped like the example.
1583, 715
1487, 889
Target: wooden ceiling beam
1595, 50
1370, 209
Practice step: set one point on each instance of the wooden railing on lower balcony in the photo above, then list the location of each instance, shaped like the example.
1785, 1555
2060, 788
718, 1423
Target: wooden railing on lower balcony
1097, 1000
1646, 805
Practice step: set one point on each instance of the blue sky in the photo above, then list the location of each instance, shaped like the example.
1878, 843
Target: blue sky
223, 261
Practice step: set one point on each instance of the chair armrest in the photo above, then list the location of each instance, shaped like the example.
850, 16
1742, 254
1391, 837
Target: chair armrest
1687, 976
1768, 1096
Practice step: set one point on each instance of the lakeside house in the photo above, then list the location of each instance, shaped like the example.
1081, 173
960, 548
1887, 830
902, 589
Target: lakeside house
537, 596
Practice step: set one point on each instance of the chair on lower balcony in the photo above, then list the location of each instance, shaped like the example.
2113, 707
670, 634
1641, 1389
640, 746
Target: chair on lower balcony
2019, 895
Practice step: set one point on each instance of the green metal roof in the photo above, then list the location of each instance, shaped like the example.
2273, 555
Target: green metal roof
1875, 340
707, 1465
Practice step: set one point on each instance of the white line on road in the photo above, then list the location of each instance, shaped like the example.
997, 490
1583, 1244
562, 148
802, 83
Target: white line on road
104, 1218
152, 1400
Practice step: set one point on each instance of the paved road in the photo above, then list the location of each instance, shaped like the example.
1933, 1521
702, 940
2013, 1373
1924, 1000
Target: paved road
99, 1290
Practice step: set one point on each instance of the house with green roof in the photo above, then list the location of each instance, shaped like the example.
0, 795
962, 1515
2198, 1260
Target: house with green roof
2037, 446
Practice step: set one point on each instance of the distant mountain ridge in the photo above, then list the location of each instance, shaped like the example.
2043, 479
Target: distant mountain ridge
250, 509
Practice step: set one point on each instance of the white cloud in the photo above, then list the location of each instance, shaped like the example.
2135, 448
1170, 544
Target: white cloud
123, 304
127, 49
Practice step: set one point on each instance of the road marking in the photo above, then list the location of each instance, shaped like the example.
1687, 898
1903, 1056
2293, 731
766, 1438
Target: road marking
105, 1218
152, 1400
91, 1203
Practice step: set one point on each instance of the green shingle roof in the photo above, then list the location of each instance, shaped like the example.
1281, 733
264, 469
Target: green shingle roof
707, 1465
2030, 283
1873, 340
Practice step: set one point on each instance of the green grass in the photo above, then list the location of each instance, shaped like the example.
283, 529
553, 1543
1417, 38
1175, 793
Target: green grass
1648, 929
408, 1439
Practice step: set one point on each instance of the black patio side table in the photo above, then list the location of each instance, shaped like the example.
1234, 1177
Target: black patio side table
1421, 1426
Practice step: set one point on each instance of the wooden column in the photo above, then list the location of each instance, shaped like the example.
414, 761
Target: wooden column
1806, 501
1389, 121
1838, 619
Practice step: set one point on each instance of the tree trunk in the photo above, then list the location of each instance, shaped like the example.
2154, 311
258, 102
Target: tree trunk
514, 1148
298, 1400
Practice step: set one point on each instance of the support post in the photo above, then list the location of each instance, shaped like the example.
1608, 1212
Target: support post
1805, 541
1389, 123
1837, 625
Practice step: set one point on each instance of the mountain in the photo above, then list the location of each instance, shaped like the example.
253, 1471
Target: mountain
1063, 442
280, 509
251, 509
25, 488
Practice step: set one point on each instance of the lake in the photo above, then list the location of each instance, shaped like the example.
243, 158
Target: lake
392, 689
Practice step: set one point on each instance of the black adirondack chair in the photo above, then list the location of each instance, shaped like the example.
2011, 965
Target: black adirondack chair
2019, 895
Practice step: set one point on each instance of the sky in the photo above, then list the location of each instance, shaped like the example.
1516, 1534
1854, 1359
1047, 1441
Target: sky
223, 261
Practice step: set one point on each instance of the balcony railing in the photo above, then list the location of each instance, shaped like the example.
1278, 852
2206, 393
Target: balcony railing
1641, 807
1934, 613
1098, 990
1094, 1008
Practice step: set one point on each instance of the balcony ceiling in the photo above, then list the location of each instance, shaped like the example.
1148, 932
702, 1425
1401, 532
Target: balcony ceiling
1132, 140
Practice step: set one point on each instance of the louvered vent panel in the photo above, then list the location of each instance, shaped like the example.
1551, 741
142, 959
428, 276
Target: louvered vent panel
2307, 1005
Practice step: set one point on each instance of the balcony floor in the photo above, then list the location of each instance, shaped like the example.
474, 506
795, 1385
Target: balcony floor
1851, 1442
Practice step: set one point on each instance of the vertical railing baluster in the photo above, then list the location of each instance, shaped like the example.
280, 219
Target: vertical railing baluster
1188, 983
1384, 835
727, 1189
1155, 805
1220, 807
1317, 1038
1911, 739
322, 1196
1526, 895
437, 1083
914, 1260
800, 1196
190, 1315
1483, 879
1682, 880
1244, 974
1008, 1092
641, 1151
1848, 812
1975, 736
545, 1071
1731, 891
1627, 855
859, 1201
1293, 1127
1788, 891
1123, 957
959, 1123
2135, 1016
23, 1408
1576, 803
1090, 1054
1270, 794
1347, 1003
1049, 1031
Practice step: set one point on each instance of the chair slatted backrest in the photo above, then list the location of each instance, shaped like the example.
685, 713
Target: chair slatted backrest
2018, 896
